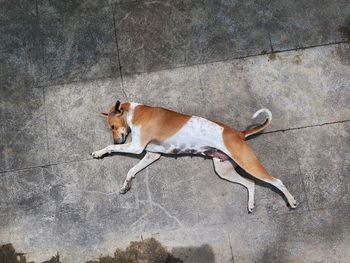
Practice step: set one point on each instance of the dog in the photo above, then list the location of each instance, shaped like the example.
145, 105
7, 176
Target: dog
161, 131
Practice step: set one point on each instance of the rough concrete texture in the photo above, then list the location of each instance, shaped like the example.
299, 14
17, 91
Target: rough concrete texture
73, 205
59, 67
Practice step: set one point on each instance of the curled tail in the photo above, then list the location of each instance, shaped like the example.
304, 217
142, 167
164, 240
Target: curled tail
254, 130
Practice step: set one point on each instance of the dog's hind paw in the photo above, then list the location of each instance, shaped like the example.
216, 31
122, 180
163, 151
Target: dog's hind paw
250, 208
292, 203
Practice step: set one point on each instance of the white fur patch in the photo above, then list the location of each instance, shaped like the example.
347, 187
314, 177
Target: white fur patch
194, 137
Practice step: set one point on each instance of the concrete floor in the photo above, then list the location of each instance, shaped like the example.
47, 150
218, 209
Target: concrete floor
62, 62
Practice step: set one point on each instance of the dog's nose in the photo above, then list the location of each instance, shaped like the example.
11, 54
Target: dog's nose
121, 139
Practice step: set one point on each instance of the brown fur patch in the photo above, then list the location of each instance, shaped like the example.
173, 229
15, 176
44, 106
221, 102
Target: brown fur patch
157, 124
243, 155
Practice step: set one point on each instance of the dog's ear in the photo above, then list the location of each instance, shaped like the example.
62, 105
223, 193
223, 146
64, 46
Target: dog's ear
117, 107
103, 114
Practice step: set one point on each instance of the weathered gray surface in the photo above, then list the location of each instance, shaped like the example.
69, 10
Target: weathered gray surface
75, 127
160, 34
154, 35
296, 24
73, 205
55, 197
301, 88
23, 140
78, 40
326, 165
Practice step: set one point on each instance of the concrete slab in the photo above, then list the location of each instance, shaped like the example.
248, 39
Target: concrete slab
323, 154
277, 153
23, 139
18, 43
296, 24
77, 207
78, 41
178, 89
232, 91
156, 35
301, 88
316, 236
65, 206
75, 128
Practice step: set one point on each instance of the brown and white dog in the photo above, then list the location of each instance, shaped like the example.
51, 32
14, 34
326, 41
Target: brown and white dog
157, 130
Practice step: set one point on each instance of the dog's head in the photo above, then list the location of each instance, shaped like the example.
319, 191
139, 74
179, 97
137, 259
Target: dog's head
116, 118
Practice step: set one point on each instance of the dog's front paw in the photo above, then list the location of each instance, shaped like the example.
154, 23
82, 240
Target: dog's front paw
97, 154
126, 187
250, 207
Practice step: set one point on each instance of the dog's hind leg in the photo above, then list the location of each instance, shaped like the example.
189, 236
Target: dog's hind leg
244, 156
227, 171
149, 158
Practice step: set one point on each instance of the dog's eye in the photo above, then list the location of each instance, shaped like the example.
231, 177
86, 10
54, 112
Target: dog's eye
112, 127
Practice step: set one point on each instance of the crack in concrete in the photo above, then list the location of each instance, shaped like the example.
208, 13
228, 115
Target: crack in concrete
148, 190
149, 201
271, 47
302, 178
241, 57
153, 203
46, 128
92, 191
231, 250
305, 127
118, 56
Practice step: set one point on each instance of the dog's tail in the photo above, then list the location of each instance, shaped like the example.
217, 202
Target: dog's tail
254, 130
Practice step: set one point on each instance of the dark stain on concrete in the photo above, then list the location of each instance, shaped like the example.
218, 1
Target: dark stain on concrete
273, 56
343, 53
345, 30
202, 254
8, 254
297, 60
146, 251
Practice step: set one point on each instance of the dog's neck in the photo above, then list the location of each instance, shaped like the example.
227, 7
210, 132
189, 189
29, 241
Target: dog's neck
130, 114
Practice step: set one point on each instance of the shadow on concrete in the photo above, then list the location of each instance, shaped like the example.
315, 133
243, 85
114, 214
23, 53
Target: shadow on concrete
202, 254
345, 29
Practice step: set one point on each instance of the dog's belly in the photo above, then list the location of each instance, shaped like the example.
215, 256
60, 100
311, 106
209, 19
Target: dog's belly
198, 136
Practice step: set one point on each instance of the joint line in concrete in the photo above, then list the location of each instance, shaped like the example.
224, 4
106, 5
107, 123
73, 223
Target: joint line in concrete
304, 127
118, 56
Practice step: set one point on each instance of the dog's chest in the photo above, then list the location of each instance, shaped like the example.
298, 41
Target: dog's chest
195, 137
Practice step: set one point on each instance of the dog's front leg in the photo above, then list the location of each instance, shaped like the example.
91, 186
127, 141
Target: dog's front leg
123, 148
147, 160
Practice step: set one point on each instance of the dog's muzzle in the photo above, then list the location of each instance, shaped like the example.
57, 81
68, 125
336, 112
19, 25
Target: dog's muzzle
120, 140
